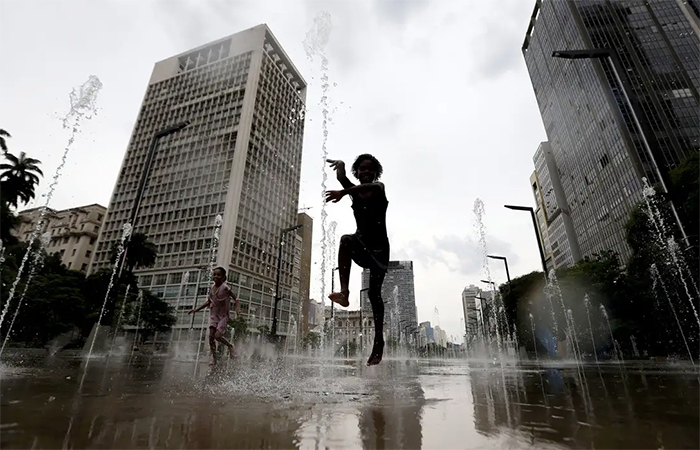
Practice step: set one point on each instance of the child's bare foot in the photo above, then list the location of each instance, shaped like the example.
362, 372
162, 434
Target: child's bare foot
340, 298
377, 353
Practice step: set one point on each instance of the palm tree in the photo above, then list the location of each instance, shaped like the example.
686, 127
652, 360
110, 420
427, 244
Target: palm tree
19, 178
3, 144
142, 252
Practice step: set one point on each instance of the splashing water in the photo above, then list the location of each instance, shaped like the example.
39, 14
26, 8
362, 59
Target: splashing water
315, 45
121, 317
36, 264
612, 338
479, 212
667, 242
83, 104
534, 337
549, 294
138, 320
213, 255
656, 281
587, 304
126, 232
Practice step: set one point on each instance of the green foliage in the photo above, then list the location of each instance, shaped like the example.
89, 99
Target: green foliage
19, 178
52, 302
311, 340
156, 316
240, 328
636, 298
141, 252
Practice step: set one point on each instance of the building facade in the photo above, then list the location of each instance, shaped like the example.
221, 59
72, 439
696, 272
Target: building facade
239, 157
599, 150
426, 334
398, 293
552, 212
306, 235
470, 301
73, 232
354, 327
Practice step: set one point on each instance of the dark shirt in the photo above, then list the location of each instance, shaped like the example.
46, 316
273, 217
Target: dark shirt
370, 216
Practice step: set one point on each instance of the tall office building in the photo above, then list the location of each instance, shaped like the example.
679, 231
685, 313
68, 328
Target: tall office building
400, 276
239, 157
73, 232
306, 234
470, 302
598, 149
552, 212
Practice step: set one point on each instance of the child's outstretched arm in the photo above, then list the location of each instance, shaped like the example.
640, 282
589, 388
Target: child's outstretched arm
192, 311
339, 167
236, 304
335, 196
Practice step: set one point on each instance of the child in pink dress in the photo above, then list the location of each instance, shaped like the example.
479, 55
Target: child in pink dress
219, 302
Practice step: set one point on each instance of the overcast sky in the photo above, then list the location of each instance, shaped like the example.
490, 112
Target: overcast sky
437, 90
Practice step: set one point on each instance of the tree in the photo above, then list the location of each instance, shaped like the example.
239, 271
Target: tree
19, 178
53, 303
311, 340
157, 316
141, 252
8, 222
240, 328
3, 143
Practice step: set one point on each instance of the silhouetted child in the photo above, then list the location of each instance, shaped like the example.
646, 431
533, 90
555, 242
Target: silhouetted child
219, 302
369, 246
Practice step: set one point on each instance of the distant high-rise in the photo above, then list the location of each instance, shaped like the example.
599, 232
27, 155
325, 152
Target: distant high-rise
73, 232
598, 149
469, 308
552, 213
240, 157
306, 234
399, 275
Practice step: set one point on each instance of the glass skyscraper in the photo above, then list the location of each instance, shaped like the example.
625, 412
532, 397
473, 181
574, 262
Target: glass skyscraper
597, 147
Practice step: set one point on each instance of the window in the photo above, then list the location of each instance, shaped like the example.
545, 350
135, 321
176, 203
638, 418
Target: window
88, 253
96, 228
73, 254
92, 241
83, 268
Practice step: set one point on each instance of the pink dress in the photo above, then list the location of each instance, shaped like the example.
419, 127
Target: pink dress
220, 305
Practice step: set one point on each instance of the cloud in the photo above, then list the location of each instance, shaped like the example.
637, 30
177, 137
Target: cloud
459, 254
399, 11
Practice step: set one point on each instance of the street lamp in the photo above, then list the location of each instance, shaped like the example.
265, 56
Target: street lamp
537, 233
144, 180
652, 152
273, 331
505, 260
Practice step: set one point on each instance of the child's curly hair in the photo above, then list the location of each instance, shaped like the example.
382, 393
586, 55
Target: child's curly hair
377, 165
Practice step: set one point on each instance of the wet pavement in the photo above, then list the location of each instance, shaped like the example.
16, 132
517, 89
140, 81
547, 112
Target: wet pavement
157, 402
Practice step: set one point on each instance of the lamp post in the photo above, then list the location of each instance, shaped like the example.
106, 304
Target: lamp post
505, 261
157, 136
537, 233
273, 331
652, 152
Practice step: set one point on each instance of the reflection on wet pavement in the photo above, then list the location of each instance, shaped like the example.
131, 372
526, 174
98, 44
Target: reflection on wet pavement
156, 403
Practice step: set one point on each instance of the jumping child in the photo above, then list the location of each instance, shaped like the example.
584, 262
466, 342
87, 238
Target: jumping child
219, 301
369, 246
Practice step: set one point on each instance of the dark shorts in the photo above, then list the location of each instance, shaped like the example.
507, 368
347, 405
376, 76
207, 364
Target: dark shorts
367, 257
